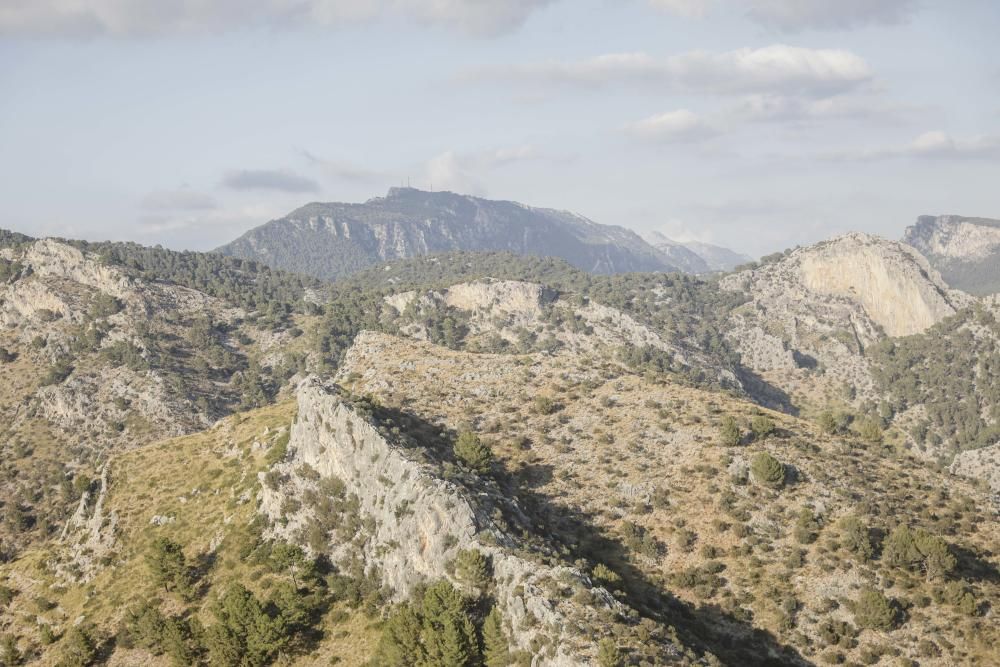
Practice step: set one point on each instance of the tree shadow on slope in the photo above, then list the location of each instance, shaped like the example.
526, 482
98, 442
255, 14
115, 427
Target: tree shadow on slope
577, 535
765, 393
570, 534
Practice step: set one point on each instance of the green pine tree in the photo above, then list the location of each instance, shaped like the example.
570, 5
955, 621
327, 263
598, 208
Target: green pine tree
496, 649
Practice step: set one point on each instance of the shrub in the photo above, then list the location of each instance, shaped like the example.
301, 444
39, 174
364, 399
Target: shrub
767, 470
608, 653
473, 452
605, 575
918, 550
871, 431
874, 611
56, 373
729, 432
806, 527
856, 538
762, 426
545, 405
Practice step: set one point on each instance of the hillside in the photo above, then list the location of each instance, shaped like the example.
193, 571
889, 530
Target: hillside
966, 251
814, 312
335, 240
214, 462
367, 473
97, 356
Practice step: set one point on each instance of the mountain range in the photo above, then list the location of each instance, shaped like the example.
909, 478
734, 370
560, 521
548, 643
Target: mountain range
498, 455
335, 240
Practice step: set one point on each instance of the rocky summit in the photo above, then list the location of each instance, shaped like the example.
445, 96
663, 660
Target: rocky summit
336, 240
494, 457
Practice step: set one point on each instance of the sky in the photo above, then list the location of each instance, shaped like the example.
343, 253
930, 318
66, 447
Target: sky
754, 124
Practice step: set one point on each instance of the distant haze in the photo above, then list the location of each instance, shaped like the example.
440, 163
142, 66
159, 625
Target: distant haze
753, 125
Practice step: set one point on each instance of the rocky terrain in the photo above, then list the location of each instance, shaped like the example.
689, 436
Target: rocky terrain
497, 458
335, 240
966, 251
815, 311
96, 360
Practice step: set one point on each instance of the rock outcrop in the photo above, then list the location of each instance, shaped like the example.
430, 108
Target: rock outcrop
966, 251
511, 309
814, 311
415, 522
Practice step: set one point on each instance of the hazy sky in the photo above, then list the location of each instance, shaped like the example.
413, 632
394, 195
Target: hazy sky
758, 124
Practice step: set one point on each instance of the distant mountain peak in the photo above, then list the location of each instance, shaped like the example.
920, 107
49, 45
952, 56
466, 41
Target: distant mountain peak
965, 250
333, 240
695, 256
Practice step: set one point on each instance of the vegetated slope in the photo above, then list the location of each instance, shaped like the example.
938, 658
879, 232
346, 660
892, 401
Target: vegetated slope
966, 251
615, 472
335, 240
631, 477
112, 588
99, 355
944, 384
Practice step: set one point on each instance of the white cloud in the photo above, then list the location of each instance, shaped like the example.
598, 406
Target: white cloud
687, 8
155, 17
448, 171
183, 199
776, 68
268, 179
796, 15
936, 144
785, 108
339, 170
464, 172
674, 126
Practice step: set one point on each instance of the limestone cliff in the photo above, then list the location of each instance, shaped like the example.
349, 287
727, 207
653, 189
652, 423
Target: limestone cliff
814, 311
413, 523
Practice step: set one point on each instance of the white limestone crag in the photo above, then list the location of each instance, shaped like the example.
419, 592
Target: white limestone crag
818, 308
417, 522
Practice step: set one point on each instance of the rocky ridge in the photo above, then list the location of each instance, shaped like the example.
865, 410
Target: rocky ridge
512, 309
419, 522
965, 250
333, 240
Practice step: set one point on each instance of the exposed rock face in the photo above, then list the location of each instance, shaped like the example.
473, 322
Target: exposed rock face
508, 308
417, 523
965, 250
48, 257
983, 464
813, 312
89, 535
334, 240
896, 286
